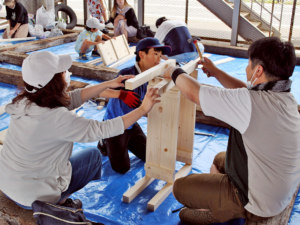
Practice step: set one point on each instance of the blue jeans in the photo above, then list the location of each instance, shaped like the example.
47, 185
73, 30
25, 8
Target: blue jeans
86, 166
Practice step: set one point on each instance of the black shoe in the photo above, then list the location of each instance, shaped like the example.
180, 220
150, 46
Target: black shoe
75, 204
96, 53
105, 31
83, 56
102, 147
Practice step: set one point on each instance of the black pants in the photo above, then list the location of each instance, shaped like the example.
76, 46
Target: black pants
117, 148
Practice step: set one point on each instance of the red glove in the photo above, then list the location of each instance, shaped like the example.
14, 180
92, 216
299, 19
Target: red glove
130, 98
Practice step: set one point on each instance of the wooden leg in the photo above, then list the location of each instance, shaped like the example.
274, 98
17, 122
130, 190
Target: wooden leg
129, 195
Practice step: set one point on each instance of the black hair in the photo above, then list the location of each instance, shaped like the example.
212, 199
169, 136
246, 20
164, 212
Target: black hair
277, 58
159, 21
146, 50
87, 28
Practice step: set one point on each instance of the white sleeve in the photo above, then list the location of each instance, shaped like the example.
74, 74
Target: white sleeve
233, 106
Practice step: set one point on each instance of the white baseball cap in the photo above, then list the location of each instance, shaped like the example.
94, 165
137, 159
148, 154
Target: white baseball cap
39, 68
94, 23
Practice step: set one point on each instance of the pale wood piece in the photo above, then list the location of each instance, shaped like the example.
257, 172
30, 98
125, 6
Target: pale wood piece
149, 74
95, 61
17, 39
121, 61
3, 27
2, 22
120, 46
129, 195
186, 128
162, 132
107, 52
167, 189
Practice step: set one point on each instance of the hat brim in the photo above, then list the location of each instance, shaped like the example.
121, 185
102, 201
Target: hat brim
65, 62
166, 49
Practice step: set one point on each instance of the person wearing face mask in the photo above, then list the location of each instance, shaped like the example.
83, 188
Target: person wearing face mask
36, 162
262, 166
17, 17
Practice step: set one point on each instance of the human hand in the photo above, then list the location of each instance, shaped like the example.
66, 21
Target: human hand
11, 32
150, 99
130, 98
209, 67
169, 71
118, 82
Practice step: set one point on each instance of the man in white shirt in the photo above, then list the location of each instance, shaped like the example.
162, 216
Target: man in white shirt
262, 162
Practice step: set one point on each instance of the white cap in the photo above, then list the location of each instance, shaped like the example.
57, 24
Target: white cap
94, 23
39, 68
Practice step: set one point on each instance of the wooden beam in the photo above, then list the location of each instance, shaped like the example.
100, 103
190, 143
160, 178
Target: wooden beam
148, 74
130, 194
41, 44
167, 189
15, 77
17, 39
84, 70
121, 61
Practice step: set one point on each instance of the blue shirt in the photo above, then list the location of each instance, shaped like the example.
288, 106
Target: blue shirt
117, 107
86, 35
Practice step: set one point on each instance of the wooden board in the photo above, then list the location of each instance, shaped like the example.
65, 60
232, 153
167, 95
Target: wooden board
107, 52
149, 74
162, 132
120, 46
17, 39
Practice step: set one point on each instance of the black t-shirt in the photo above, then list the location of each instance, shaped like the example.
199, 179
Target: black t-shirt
17, 15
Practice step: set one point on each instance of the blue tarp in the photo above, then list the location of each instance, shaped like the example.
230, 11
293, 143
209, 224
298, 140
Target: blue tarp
102, 199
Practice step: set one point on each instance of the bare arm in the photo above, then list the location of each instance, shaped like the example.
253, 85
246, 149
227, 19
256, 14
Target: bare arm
13, 30
110, 93
225, 79
96, 90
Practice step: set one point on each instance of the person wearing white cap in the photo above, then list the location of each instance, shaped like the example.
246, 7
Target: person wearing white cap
89, 38
36, 162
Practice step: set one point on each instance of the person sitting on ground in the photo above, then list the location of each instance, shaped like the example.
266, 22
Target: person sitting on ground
148, 53
124, 19
218, 165
89, 38
17, 17
36, 162
175, 34
262, 166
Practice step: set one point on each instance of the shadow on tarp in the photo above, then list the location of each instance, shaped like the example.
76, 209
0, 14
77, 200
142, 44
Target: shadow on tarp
102, 199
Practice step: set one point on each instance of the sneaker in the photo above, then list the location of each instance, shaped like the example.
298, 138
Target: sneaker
95, 53
76, 203
102, 147
83, 56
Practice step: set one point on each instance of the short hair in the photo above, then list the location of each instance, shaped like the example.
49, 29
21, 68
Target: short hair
146, 50
276, 57
219, 162
53, 95
159, 21
87, 28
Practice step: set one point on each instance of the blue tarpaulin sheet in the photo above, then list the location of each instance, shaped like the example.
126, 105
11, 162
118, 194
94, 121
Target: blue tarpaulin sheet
102, 199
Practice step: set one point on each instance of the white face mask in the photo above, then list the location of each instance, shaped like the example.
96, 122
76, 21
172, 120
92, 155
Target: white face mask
68, 77
250, 83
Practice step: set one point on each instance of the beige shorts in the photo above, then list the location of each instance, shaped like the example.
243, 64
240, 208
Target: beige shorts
22, 32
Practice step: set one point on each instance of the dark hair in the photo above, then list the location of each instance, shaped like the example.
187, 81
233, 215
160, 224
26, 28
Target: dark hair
219, 162
87, 28
53, 95
276, 57
146, 50
159, 21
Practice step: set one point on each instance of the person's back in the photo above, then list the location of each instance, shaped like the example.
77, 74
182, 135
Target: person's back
175, 34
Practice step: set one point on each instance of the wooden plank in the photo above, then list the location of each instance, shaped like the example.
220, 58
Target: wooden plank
95, 61
120, 47
162, 132
130, 194
280, 219
17, 39
186, 129
107, 52
121, 61
15, 77
3, 27
79, 69
167, 189
41, 44
149, 74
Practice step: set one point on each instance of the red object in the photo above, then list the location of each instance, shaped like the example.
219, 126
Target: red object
195, 41
130, 98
